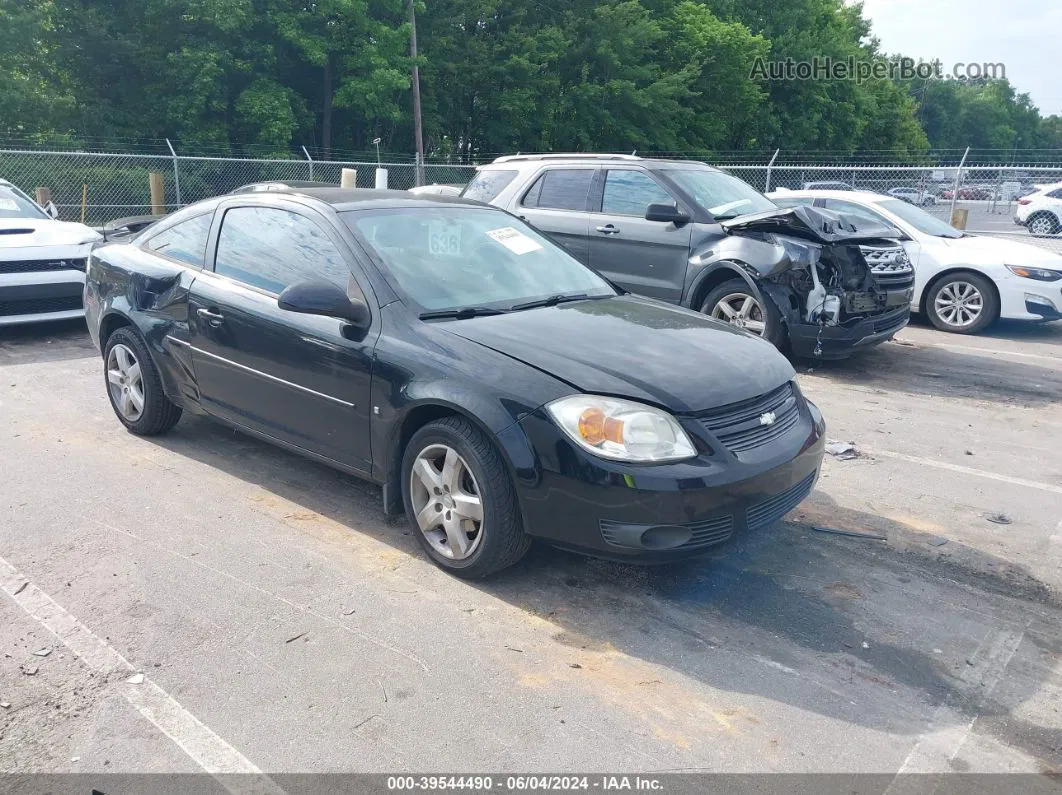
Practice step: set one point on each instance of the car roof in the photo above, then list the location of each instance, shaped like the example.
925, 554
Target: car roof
567, 158
846, 195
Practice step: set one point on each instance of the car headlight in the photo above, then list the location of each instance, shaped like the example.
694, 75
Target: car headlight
1040, 274
621, 429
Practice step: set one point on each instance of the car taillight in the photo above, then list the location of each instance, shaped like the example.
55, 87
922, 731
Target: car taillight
1023, 202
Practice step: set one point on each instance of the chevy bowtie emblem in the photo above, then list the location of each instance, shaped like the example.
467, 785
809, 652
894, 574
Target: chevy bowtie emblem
768, 418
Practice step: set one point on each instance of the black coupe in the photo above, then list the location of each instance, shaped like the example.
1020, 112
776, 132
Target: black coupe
497, 389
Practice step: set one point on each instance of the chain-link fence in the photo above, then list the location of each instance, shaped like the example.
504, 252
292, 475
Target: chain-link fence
990, 196
100, 187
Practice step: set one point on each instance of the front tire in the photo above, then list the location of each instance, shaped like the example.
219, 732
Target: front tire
134, 386
461, 501
733, 303
962, 303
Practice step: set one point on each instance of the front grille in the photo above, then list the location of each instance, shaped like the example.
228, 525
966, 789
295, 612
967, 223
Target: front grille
740, 427
890, 266
33, 306
702, 534
41, 265
896, 320
773, 509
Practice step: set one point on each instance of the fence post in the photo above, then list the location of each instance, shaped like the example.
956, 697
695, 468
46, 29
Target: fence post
419, 177
176, 174
310, 160
158, 193
958, 179
767, 186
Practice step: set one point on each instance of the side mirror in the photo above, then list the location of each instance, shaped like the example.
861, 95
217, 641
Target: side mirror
52, 210
324, 298
666, 213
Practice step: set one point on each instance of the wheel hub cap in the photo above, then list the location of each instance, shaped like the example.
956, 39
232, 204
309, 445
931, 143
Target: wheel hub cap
959, 304
125, 382
742, 311
446, 502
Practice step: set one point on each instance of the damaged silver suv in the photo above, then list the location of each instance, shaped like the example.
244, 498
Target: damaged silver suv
804, 278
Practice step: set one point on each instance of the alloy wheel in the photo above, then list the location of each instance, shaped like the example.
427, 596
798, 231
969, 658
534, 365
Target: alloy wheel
959, 304
446, 501
743, 311
1041, 225
125, 382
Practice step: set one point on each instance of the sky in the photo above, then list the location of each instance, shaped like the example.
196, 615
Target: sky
1025, 35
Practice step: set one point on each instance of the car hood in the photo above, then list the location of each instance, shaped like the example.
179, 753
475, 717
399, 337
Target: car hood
812, 223
33, 232
635, 348
982, 249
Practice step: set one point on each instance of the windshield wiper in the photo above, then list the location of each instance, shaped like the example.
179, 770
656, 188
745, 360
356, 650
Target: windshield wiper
464, 313
553, 300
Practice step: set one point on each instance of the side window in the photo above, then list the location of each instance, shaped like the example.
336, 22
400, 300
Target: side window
486, 185
855, 211
631, 192
787, 203
270, 249
185, 241
1056, 194
560, 189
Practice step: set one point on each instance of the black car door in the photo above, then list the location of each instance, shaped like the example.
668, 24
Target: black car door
301, 379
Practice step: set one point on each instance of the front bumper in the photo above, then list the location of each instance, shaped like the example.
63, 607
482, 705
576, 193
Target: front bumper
839, 342
660, 513
39, 296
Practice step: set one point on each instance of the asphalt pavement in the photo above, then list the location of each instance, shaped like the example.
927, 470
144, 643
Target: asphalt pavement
205, 602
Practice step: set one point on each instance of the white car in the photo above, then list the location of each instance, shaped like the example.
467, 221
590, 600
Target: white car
42, 261
963, 282
913, 196
1041, 210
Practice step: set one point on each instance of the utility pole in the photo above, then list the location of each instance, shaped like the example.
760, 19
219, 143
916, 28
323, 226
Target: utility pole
418, 132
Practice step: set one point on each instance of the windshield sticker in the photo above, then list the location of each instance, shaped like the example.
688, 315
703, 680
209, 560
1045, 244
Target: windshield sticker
444, 239
8, 204
514, 240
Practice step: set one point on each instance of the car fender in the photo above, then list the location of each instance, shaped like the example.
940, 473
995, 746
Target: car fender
714, 273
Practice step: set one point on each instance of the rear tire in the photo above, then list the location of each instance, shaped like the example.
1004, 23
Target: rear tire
134, 386
952, 303
1043, 224
461, 501
727, 302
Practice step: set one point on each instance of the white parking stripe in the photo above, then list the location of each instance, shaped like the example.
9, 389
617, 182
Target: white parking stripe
948, 730
929, 462
961, 348
206, 748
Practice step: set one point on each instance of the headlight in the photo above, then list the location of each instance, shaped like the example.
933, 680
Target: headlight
1040, 274
621, 429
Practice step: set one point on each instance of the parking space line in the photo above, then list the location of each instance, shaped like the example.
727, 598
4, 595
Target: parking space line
206, 748
948, 732
962, 348
929, 462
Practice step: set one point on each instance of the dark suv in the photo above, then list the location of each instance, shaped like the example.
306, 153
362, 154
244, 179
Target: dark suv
684, 232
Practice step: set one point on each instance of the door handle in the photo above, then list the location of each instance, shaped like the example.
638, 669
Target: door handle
608, 229
211, 316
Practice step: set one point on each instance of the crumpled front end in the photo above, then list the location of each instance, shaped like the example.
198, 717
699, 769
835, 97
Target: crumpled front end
837, 288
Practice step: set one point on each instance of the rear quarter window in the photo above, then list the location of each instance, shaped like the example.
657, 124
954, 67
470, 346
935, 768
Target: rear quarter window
486, 185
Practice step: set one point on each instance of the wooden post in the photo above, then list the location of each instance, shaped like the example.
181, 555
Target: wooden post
158, 193
44, 195
349, 178
84, 200
959, 217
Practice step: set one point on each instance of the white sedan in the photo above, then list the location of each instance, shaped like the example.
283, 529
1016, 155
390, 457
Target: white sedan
42, 261
963, 282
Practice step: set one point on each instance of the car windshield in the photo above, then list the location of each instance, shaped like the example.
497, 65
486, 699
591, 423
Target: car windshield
450, 258
15, 204
920, 219
720, 194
